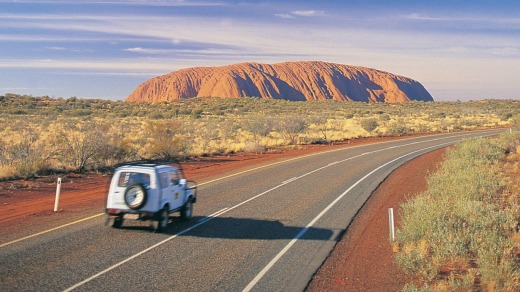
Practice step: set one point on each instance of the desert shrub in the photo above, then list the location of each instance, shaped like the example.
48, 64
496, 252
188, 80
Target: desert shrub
163, 141
259, 126
197, 113
156, 116
228, 130
207, 136
369, 124
78, 142
119, 146
384, 118
23, 158
460, 224
506, 116
397, 129
292, 127
19, 112
80, 112
322, 123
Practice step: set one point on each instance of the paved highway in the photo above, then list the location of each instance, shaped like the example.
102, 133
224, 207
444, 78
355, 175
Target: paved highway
265, 229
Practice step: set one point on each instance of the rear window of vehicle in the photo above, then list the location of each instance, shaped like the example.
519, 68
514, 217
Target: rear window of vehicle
130, 178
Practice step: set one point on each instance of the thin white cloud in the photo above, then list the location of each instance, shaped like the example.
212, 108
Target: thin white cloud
284, 15
141, 50
420, 16
308, 13
123, 64
463, 18
53, 38
301, 13
206, 51
146, 74
56, 48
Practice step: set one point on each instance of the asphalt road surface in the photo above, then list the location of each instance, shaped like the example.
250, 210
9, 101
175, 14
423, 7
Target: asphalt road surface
266, 229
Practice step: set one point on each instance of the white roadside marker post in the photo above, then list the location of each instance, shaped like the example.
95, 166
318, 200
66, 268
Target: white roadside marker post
391, 224
58, 191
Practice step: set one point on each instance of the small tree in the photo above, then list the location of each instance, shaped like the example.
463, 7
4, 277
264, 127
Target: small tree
369, 124
163, 141
208, 133
76, 143
259, 126
322, 124
24, 156
292, 127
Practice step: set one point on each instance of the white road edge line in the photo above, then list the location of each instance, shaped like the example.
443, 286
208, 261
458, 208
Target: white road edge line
225, 210
260, 167
49, 230
266, 269
451, 135
213, 215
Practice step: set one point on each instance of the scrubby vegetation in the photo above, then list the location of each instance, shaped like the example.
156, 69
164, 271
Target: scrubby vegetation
43, 134
463, 233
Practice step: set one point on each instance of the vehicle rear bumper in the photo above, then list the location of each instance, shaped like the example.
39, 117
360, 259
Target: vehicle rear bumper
129, 215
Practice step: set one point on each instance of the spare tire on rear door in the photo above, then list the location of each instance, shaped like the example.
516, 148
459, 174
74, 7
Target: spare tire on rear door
135, 196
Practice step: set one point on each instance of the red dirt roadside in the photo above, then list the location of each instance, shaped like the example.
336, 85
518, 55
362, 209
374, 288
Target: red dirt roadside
361, 261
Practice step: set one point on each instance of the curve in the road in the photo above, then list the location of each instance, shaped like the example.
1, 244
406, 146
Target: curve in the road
302, 231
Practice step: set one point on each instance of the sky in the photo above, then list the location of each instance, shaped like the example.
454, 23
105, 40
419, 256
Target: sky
459, 50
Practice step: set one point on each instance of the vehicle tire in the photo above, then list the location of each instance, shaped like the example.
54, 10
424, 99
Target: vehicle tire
135, 196
162, 220
187, 209
118, 222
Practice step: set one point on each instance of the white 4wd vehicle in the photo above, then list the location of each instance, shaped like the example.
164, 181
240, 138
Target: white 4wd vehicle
149, 192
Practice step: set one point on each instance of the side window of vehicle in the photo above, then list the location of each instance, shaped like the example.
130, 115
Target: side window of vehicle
175, 177
165, 179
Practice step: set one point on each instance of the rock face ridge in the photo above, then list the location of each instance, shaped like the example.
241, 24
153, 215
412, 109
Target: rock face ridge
296, 81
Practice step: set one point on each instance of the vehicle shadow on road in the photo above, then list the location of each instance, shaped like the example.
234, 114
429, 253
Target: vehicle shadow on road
247, 228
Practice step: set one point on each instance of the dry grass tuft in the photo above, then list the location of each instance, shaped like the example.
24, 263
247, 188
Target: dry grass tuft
461, 234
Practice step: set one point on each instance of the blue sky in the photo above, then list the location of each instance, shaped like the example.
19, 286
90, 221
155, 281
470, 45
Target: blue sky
459, 50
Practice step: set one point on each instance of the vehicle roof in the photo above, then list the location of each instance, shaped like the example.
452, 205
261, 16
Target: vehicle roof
144, 166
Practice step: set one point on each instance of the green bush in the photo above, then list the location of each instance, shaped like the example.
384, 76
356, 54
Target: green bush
369, 124
460, 221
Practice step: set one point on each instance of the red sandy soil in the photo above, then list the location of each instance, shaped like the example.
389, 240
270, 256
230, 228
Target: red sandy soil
361, 261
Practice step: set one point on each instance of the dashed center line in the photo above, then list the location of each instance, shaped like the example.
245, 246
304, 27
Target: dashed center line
289, 180
243, 172
300, 234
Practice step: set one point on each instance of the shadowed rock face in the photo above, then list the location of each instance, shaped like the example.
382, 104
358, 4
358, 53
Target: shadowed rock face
296, 81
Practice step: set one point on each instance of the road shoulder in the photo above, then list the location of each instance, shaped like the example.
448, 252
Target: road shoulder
363, 259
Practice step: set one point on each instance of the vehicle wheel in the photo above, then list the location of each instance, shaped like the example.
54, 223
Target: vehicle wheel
135, 196
162, 220
187, 210
118, 222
